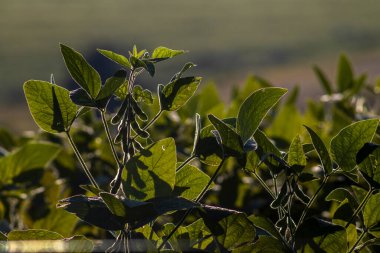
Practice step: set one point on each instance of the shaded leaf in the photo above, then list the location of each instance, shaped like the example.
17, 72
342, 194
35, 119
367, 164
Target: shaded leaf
175, 94
110, 86
265, 224
254, 109
82, 72
189, 182
322, 151
371, 215
344, 76
81, 97
326, 84
50, 106
347, 143
151, 172
295, 154
365, 151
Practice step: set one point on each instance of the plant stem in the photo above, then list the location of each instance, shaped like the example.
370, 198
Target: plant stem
360, 207
81, 161
189, 159
107, 130
199, 198
311, 201
263, 184
152, 120
358, 241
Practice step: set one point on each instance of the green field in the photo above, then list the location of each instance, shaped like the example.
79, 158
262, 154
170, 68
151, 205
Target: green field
227, 39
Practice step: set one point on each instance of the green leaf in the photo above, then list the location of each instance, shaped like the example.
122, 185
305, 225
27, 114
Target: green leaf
58, 221
32, 155
365, 151
232, 145
50, 106
111, 85
151, 173
93, 211
316, 235
254, 109
340, 194
80, 97
162, 53
78, 243
326, 84
114, 204
266, 225
371, 215
322, 151
189, 182
208, 150
142, 95
175, 94
118, 58
264, 244
238, 230
344, 76
82, 72
33, 234
346, 144
147, 65
186, 67
370, 169
295, 155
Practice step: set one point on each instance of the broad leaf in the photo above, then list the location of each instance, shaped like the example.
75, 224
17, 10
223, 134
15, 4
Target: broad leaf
266, 225
58, 221
110, 86
208, 150
254, 109
371, 215
162, 53
346, 144
237, 230
365, 151
175, 94
322, 151
82, 72
296, 156
189, 182
142, 95
80, 97
118, 58
114, 204
370, 168
264, 244
186, 67
316, 235
231, 141
30, 156
151, 173
33, 234
50, 106
340, 194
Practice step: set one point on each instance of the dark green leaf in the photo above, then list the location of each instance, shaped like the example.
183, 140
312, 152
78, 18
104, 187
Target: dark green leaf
345, 76
50, 106
254, 109
81, 97
186, 67
139, 112
231, 141
306, 177
110, 86
118, 58
347, 143
322, 151
151, 173
82, 72
114, 204
264, 244
326, 84
365, 151
58, 221
30, 156
370, 169
300, 194
281, 197
208, 150
316, 235
141, 95
175, 94
340, 194
265, 224
91, 189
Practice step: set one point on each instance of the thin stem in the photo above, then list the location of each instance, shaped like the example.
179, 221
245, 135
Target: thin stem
360, 207
107, 130
81, 161
189, 159
357, 241
150, 123
263, 184
199, 198
311, 201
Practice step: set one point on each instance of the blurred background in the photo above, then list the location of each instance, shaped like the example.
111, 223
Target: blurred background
279, 40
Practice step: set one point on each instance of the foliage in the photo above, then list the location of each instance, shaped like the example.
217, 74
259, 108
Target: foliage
168, 174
